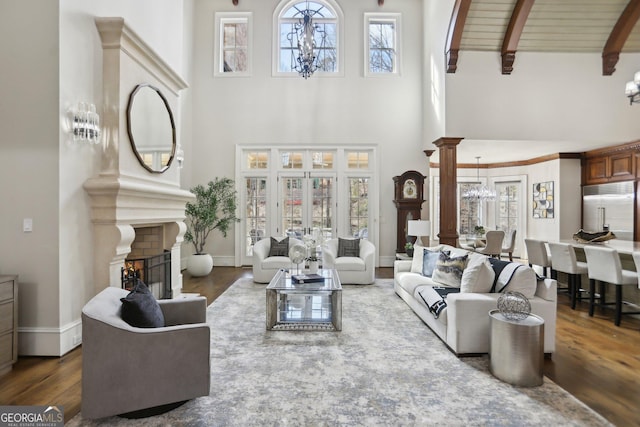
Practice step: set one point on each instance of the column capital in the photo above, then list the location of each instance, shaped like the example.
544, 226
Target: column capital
447, 141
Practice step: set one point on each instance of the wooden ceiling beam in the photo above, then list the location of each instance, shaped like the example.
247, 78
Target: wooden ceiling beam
514, 31
618, 37
454, 35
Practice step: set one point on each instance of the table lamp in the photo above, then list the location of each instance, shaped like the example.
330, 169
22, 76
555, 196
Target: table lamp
419, 228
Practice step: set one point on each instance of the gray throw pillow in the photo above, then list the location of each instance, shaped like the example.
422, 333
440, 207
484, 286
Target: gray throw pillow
280, 248
348, 247
141, 309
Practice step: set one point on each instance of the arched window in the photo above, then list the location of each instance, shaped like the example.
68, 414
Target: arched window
289, 18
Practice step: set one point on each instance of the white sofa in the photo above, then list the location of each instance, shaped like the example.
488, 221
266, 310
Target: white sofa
265, 266
358, 270
464, 324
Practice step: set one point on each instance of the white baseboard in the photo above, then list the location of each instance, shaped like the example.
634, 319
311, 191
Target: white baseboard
38, 341
386, 261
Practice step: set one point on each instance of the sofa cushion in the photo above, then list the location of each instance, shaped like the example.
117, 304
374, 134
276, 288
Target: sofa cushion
350, 263
514, 277
141, 309
348, 247
477, 276
416, 261
276, 262
449, 269
279, 248
410, 281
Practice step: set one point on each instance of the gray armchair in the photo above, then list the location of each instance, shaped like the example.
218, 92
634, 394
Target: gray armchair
126, 369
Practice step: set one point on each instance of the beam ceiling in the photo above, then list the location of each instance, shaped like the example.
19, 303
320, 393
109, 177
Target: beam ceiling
562, 26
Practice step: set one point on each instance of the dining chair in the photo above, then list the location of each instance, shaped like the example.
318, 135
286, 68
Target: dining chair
563, 259
493, 247
603, 265
509, 244
537, 255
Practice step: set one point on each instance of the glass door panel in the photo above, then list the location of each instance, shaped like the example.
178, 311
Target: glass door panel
255, 214
293, 206
322, 209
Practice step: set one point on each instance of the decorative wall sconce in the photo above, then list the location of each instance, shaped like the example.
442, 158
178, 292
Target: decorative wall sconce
632, 89
179, 156
86, 124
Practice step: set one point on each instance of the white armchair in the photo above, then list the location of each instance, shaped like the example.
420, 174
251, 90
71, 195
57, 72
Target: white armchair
351, 270
264, 266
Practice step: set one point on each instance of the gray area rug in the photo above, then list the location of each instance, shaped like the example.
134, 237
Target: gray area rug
386, 368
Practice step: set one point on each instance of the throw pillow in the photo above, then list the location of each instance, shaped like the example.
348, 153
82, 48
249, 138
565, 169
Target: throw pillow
416, 261
449, 269
141, 309
429, 260
477, 276
280, 248
348, 247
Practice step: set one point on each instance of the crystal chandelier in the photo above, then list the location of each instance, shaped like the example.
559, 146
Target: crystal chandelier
307, 35
479, 191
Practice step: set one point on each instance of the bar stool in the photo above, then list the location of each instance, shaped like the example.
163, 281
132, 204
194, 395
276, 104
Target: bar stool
603, 264
537, 255
563, 259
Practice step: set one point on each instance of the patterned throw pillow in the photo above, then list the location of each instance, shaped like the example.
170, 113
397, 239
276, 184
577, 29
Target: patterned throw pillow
348, 247
449, 270
280, 248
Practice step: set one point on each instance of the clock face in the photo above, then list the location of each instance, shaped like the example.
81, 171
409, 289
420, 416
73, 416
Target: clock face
409, 190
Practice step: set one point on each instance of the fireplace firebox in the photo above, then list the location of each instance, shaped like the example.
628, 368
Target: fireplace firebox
154, 271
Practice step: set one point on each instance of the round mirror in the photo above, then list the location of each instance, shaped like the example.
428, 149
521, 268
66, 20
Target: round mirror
151, 128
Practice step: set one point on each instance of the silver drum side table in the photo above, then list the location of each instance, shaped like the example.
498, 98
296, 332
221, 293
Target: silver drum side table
517, 349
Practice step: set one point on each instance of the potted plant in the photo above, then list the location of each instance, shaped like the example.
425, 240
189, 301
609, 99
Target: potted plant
213, 209
408, 248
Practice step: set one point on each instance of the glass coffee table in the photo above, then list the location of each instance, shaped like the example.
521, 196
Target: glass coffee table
313, 306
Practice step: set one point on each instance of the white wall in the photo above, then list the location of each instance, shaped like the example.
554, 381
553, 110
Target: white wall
56, 62
29, 176
548, 97
262, 109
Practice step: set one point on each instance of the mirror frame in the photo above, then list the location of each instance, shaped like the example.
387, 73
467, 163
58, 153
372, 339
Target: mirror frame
173, 127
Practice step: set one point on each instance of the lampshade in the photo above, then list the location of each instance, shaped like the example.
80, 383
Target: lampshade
419, 228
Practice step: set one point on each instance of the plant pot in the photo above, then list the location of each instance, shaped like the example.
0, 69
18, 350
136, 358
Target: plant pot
409, 252
200, 264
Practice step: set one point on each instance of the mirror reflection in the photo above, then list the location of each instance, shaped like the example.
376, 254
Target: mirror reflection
151, 128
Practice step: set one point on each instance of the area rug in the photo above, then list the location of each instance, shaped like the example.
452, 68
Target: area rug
386, 368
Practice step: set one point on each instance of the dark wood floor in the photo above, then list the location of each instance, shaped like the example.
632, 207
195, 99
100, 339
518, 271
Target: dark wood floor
595, 361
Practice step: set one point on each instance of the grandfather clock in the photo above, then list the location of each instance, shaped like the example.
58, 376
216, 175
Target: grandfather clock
408, 200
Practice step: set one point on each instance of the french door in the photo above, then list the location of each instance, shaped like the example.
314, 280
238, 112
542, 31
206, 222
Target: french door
306, 204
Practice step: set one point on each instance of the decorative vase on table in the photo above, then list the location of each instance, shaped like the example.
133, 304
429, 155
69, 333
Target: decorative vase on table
200, 264
313, 267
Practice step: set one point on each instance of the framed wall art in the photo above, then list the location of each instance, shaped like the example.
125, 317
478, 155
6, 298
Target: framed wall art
543, 199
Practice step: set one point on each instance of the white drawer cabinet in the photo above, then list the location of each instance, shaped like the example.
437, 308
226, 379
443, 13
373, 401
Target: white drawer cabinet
8, 322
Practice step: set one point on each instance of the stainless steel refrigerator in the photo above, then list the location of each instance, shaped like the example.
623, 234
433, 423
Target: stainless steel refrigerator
609, 206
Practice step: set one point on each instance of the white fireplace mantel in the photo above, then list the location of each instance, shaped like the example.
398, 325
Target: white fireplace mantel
125, 195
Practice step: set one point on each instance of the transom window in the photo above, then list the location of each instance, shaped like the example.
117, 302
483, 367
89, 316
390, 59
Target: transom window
382, 44
233, 44
325, 16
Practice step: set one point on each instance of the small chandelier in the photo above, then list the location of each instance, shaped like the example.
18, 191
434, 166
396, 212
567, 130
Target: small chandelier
305, 34
479, 192
632, 89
